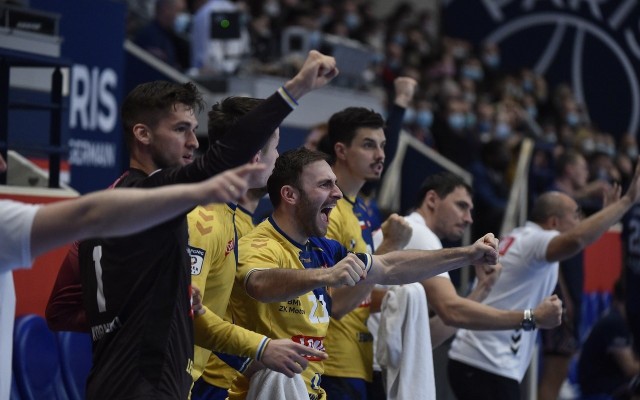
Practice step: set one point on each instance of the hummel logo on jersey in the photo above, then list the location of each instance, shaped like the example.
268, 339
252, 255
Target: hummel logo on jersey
515, 341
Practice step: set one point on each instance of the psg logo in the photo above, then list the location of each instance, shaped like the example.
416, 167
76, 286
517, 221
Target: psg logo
594, 46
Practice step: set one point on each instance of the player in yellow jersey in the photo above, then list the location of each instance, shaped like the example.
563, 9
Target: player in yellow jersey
212, 240
357, 141
294, 278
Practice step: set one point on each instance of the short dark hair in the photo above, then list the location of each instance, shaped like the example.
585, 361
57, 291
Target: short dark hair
226, 113
344, 124
547, 205
442, 183
148, 103
288, 170
569, 157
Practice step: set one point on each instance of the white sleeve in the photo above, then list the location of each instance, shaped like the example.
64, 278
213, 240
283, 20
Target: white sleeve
16, 220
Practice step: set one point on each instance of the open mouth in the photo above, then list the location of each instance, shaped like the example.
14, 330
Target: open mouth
324, 212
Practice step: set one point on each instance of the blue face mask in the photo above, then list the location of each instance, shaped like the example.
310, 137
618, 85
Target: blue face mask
533, 112
424, 119
573, 119
352, 20
473, 73
181, 23
632, 153
503, 130
409, 116
492, 60
527, 85
457, 121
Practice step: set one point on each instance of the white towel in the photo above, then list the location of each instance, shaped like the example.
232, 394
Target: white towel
268, 385
404, 348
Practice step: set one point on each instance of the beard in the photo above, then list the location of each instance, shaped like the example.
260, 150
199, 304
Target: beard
307, 215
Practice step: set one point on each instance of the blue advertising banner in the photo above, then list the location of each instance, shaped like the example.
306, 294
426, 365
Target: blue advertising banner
592, 45
93, 36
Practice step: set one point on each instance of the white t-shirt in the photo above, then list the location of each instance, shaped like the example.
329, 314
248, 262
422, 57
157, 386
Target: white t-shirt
525, 280
422, 238
16, 220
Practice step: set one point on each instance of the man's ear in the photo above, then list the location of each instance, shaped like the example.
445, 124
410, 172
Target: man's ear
431, 198
289, 194
256, 158
340, 150
142, 133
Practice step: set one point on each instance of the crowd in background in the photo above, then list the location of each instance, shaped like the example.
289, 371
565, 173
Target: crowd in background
466, 99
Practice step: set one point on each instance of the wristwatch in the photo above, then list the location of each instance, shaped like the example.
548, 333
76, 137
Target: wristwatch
529, 321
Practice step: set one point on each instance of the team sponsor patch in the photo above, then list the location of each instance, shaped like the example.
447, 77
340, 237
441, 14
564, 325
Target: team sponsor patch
315, 342
197, 259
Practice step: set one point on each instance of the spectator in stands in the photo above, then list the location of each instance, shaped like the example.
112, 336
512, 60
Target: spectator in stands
28, 231
491, 365
443, 212
159, 38
607, 362
453, 130
490, 185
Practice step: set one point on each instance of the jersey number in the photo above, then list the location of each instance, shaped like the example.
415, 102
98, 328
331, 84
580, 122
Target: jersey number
318, 314
97, 255
633, 243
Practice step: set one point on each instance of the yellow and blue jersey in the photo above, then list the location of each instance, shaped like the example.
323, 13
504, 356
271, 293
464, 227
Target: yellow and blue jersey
349, 338
212, 247
305, 318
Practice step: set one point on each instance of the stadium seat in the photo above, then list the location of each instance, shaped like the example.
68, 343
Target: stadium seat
15, 394
36, 360
75, 361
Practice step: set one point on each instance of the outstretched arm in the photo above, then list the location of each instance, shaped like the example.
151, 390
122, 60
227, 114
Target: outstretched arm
588, 231
125, 211
408, 266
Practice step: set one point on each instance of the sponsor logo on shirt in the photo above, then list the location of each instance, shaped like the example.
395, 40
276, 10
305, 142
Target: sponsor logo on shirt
230, 245
197, 259
315, 342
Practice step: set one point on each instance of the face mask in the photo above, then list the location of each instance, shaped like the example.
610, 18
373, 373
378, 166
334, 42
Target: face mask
532, 111
409, 116
424, 119
181, 23
573, 119
400, 39
456, 121
352, 20
503, 130
473, 73
527, 85
470, 97
632, 153
551, 137
272, 8
459, 52
492, 60
471, 120
588, 146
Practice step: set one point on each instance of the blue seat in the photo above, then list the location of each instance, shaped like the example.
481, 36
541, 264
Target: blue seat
15, 394
36, 360
75, 360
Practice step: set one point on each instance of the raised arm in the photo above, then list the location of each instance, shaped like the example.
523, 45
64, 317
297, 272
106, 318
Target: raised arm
588, 231
125, 211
